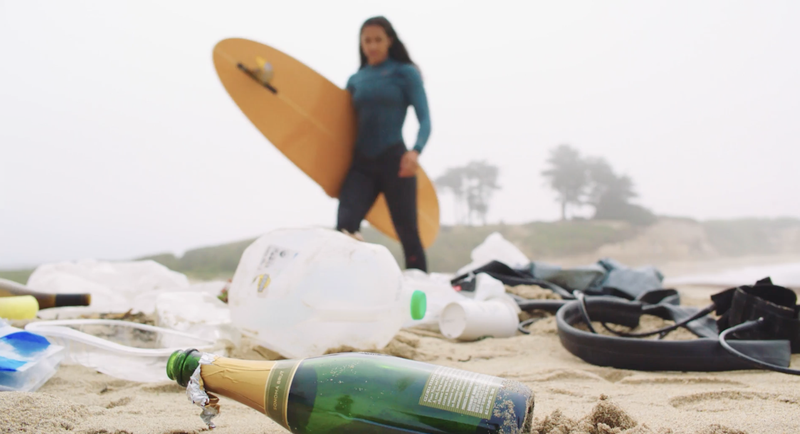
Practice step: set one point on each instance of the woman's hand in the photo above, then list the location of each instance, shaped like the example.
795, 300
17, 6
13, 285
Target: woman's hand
409, 164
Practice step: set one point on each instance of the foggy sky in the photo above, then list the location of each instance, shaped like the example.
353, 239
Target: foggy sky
117, 138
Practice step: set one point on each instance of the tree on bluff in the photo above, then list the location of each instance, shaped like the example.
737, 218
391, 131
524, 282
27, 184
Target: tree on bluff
567, 176
591, 181
472, 186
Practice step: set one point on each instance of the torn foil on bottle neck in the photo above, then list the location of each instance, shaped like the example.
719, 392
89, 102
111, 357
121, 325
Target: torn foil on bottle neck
197, 394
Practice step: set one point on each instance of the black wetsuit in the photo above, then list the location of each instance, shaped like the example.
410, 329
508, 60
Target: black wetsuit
381, 96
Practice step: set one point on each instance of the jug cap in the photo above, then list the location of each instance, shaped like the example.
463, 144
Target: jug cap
419, 304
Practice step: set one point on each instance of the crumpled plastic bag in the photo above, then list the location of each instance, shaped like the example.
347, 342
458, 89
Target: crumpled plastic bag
115, 286
197, 313
496, 248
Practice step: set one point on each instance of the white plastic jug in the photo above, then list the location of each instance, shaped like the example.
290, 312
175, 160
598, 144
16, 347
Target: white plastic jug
306, 291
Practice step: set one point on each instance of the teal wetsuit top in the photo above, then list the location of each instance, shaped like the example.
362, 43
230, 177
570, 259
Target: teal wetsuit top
381, 96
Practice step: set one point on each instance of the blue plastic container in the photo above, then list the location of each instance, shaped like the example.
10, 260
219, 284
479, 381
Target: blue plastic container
27, 360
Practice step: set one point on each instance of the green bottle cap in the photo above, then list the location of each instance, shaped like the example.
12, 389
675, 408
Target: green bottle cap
419, 304
181, 365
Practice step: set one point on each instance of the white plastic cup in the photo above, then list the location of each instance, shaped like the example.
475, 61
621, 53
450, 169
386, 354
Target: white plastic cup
470, 320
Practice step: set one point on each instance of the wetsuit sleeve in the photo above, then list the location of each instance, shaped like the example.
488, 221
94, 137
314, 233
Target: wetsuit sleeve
419, 100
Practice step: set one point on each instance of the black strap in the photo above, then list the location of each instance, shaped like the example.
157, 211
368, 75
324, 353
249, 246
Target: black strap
743, 328
763, 318
704, 327
775, 304
703, 354
546, 305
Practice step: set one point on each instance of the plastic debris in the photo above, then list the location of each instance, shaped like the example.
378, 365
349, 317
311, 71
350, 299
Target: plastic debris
496, 248
114, 286
302, 292
196, 313
126, 350
27, 360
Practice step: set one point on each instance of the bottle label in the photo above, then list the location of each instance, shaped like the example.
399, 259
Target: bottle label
277, 392
460, 391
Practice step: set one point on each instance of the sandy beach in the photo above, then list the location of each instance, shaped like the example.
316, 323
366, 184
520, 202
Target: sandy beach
263, 181
571, 396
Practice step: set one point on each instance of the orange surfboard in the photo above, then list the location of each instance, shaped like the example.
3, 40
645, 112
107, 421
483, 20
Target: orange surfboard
310, 120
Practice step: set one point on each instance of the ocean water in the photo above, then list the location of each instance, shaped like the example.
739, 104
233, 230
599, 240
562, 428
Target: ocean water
781, 274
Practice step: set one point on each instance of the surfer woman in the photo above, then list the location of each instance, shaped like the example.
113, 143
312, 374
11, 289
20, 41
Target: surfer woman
382, 89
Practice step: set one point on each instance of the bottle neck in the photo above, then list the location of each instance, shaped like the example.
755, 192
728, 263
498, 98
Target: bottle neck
244, 381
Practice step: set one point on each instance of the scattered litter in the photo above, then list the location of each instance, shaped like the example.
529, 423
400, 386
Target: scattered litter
301, 292
487, 311
578, 278
605, 277
9, 288
438, 291
496, 248
468, 320
19, 307
27, 360
114, 286
481, 287
196, 313
121, 349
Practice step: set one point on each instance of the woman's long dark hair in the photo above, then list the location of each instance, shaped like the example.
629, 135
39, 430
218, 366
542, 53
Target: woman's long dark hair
397, 50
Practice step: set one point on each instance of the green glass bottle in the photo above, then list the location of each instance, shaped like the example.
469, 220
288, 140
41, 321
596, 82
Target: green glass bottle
358, 393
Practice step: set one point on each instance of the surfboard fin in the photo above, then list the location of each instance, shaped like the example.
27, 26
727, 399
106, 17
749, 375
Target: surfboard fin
264, 71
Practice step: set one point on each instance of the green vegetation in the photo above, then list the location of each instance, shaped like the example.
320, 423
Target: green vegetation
206, 262
450, 252
538, 240
452, 248
19, 276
